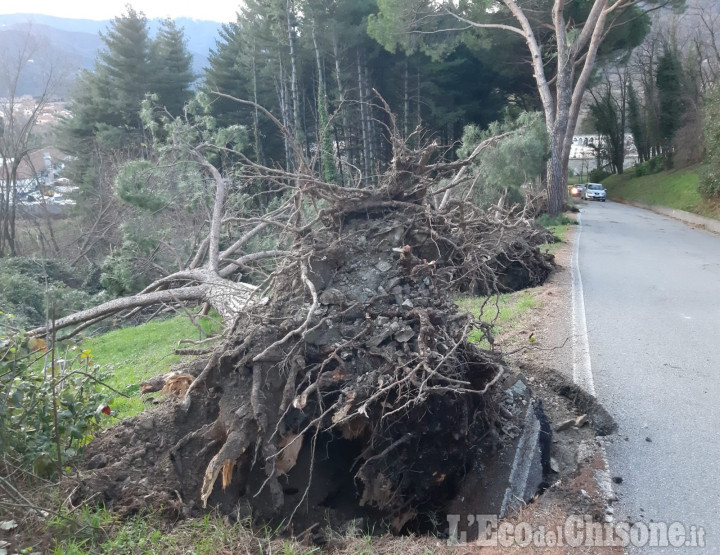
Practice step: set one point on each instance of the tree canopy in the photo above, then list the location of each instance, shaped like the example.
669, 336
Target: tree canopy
562, 43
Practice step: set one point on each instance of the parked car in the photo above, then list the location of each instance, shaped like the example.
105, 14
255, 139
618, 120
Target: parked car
595, 191
577, 190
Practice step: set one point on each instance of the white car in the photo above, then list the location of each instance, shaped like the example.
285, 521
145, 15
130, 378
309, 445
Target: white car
595, 191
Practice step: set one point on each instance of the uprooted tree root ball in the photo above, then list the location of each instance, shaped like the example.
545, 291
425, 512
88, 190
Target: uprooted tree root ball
353, 390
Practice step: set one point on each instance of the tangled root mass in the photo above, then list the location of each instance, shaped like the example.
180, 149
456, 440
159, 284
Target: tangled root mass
353, 390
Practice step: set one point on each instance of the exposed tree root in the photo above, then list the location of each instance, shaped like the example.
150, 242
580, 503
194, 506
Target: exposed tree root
353, 389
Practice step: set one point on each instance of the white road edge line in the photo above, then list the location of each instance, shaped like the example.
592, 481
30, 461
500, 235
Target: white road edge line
582, 368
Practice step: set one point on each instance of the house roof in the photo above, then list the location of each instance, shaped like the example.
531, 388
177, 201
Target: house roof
34, 163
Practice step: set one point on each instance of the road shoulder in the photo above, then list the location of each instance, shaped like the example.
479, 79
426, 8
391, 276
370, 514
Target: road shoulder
542, 349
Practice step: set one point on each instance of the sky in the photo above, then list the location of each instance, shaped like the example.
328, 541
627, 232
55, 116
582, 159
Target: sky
213, 10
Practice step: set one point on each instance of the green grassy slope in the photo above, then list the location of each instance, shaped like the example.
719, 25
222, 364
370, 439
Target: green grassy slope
674, 189
138, 353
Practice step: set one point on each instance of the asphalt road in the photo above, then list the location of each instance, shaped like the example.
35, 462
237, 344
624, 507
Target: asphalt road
651, 290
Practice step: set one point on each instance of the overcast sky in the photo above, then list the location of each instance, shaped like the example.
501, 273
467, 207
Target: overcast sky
213, 10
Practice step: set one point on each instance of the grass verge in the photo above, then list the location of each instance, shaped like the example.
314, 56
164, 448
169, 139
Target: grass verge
504, 312
558, 226
213, 534
673, 189
207, 535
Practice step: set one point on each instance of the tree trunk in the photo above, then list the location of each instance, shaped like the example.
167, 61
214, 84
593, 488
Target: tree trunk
293, 73
324, 139
556, 181
370, 123
406, 102
341, 108
623, 120
259, 157
283, 99
11, 217
4, 205
418, 99
227, 297
363, 122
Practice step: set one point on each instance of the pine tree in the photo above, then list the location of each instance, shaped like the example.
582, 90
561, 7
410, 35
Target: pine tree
669, 79
638, 124
222, 74
171, 65
124, 64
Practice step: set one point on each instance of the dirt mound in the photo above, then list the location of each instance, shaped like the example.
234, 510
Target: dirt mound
353, 391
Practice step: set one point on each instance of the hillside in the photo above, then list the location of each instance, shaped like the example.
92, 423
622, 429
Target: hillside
74, 43
673, 189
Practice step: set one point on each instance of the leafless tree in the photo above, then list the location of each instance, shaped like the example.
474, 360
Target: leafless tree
562, 83
18, 118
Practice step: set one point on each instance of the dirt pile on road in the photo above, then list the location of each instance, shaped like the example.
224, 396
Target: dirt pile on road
353, 391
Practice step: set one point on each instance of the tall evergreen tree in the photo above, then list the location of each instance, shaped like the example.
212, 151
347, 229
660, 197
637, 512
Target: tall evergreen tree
637, 121
107, 103
670, 95
106, 128
171, 66
124, 64
223, 74
327, 104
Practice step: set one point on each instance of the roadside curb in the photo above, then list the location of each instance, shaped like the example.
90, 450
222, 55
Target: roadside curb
708, 224
526, 472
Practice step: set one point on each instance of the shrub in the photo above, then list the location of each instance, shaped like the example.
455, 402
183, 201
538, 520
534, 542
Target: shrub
709, 183
656, 164
516, 161
22, 297
597, 175
26, 284
32, 392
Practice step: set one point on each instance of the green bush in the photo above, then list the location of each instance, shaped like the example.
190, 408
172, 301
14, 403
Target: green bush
38, 269
597, 175
23, 297
27, 284
513, 163
32, 392
656, 164
709, 183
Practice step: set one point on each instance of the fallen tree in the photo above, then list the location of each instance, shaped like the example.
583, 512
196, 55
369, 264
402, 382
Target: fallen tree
352, 387
215, 275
